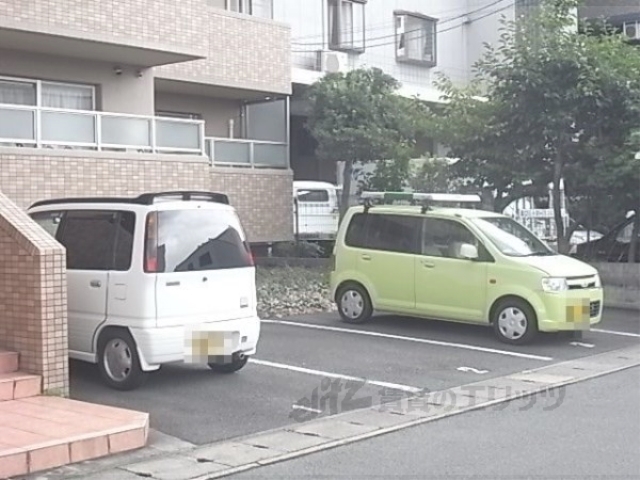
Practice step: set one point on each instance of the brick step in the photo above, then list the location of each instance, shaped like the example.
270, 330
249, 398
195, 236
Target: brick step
42, 433
16, 385
8, 361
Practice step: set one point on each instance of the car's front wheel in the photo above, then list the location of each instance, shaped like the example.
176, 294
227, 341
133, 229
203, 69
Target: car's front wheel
118, 360
515, 322
354, 304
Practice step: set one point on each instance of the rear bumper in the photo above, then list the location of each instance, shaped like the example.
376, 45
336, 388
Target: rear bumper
168, 345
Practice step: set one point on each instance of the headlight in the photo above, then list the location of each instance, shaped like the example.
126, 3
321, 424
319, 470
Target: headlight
552, 284
598, 282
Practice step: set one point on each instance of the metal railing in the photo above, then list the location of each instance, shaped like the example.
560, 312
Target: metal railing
52, 127
236, 152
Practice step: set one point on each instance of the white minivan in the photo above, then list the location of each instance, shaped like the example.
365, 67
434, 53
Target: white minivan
158, 278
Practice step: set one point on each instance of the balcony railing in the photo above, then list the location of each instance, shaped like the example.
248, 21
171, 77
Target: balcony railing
92, 130
235, 152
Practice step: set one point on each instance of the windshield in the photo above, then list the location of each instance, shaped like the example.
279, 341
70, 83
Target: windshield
512, 238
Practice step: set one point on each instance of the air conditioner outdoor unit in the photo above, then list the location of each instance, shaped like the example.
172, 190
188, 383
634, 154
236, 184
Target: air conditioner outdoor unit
332, 62
632, 30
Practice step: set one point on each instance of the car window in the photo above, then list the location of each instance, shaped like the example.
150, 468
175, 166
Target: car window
443, 238
124, 241
391, 233
50, 221
196, 240
88, 238
313, 196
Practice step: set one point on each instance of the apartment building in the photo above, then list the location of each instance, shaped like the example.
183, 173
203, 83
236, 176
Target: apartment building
412, 40
623, 15
115, 97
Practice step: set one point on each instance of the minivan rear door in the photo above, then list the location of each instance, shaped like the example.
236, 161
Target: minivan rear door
204, 266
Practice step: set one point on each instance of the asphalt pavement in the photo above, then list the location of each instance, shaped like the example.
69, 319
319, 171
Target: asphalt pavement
315, 365
593, 432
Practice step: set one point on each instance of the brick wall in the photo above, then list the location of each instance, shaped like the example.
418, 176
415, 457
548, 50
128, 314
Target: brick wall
262, 197
176, 25
243, 52
621, 282
33, 308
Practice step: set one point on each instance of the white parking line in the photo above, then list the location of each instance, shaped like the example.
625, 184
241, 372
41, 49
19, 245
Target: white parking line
320, 373
411, 339
615, 332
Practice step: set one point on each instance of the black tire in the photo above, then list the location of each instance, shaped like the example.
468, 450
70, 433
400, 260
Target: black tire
129, 374
516, 316
358, 309
235, 365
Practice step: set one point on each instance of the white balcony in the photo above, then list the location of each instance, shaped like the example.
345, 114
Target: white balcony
233, 152
28, 126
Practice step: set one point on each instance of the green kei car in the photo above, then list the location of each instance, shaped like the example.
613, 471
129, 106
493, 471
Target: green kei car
461, 265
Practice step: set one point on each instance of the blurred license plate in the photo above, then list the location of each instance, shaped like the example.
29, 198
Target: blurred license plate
201, 346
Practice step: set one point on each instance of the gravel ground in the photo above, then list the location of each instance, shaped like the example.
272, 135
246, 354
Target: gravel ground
287, 291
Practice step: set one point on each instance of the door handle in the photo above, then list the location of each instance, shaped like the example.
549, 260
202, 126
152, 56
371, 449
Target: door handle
95, 283
428, 264
366, 257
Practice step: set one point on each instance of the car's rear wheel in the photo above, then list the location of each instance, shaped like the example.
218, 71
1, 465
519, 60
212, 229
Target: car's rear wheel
515, 322
118, 360
354, 304
237, 363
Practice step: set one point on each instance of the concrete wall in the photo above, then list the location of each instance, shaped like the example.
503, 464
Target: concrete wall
243, 52
124, 93
33, 296
171, 25
263, 197
621, 284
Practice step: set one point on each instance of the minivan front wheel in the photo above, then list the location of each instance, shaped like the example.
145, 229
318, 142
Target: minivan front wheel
354, 304
515, 322
118, 360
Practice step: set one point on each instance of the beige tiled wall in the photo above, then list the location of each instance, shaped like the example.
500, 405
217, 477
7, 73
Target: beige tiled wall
243, 52
33, 296
262, 197
175, 25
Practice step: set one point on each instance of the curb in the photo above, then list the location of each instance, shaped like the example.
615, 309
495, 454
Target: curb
222, 459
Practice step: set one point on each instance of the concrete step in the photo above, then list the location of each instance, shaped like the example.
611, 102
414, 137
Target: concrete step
41, 433
8, 361
16, 385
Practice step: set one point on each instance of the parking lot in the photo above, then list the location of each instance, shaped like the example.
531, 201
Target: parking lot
316, 365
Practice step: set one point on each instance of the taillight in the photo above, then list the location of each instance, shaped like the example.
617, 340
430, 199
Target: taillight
151, 244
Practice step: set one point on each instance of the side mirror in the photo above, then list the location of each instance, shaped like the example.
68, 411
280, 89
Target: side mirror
468, 251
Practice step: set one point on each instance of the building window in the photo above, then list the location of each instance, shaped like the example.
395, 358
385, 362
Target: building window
47, 94
346, 25
257, 8
415, 38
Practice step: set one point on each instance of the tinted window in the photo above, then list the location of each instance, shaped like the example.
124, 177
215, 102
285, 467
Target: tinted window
442, 238
392, 233
50, 221
124, 241
313, 196
356, 232
192, 240
88, 237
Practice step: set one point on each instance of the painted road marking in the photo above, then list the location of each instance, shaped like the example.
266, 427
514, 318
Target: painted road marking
582, 344
320, 373
306, 409
472, 370
615, 332
411, 339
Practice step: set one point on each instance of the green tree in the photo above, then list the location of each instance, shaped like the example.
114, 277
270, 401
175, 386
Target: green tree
358, 117
557, 103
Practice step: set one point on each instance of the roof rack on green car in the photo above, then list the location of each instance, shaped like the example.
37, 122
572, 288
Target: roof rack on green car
415, 198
